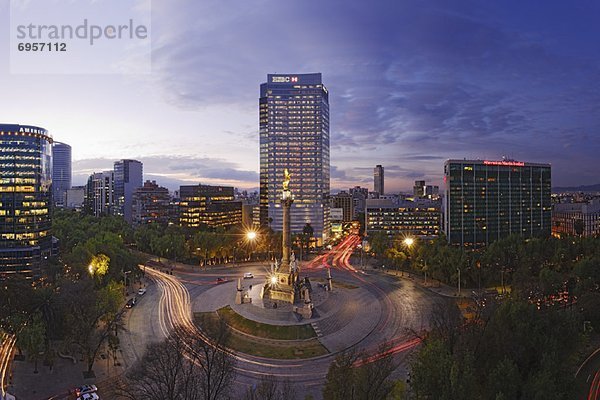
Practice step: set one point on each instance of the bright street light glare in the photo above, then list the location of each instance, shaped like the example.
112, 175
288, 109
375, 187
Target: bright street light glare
409, 241
251, 235
91, 269
273, 280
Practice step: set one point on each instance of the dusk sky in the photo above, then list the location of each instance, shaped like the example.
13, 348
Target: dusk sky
412, 83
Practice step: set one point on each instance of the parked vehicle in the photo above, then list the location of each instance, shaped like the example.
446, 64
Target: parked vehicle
142, 291
131, 302
85, 389
248, 275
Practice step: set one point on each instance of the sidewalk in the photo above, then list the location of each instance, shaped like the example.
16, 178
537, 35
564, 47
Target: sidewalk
434, 285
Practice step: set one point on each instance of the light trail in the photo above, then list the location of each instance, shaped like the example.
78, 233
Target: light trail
174, 312
595, 387
6, 350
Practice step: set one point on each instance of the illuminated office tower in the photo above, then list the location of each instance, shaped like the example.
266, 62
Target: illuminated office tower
61, 172
294, 134
25, 198
489, 200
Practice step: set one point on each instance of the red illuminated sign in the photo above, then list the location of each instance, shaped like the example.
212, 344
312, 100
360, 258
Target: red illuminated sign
505, 163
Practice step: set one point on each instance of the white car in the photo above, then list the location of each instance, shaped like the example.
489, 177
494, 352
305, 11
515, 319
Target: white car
78, 391
89, 396
248, 275
142, 291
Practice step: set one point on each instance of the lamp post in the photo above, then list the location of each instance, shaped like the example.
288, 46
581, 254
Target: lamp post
125, 273
408, 242
458, 269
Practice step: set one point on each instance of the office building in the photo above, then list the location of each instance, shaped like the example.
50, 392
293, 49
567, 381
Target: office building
75, 198
294, 134
25, 199
128, 177
378, 177
420, 219
150, 204
419, 189
61, 172
576, 219
359, 198
100, 194
344, 201
423, 191
489, 200
204, 206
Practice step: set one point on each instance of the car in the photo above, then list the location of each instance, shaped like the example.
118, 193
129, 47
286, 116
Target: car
142, 291
89, 396
131, 302
221, 280
85, 389
248, 275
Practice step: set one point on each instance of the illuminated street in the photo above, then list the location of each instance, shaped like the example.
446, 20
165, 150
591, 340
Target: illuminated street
405, 309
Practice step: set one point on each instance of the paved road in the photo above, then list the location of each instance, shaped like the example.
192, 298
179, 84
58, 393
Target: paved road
587, 378
405, 308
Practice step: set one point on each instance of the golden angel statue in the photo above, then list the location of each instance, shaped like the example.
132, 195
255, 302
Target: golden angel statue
286, 180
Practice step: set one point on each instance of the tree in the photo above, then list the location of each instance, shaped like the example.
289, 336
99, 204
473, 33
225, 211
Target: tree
270, 389
32, 338
579, 226
99, 265
91, 316
185, 366
357, 376
308, 234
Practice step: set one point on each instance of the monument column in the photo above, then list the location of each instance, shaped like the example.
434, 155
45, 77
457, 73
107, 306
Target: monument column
286, 201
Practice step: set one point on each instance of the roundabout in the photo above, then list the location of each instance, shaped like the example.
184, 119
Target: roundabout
363, 311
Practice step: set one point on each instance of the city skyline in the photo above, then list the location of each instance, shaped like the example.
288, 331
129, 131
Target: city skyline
474, 81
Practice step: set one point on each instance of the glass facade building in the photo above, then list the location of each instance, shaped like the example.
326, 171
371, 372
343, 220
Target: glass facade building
489, 200
61, 172
129, 176
294, 134
25, 198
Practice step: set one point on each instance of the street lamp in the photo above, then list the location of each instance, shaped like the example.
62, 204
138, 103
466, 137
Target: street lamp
458, 269
251, 235
408, 242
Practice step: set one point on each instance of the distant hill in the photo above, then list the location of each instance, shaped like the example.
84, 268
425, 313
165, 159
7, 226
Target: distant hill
584, 188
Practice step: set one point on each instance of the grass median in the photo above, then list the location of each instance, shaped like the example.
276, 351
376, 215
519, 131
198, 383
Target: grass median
266, 331
259, 345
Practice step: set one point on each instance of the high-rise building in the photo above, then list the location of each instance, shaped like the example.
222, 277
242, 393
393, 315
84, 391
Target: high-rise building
378, 178
359, 198
61, 172
294, 134
100, 194
25, 198
208, 206
344, 201
150, 204
489, 200
128, 177
75, 197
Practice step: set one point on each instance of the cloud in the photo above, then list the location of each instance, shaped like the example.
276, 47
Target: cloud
411, 83
172, 171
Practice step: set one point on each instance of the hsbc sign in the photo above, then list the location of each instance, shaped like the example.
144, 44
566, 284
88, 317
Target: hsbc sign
284, 79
